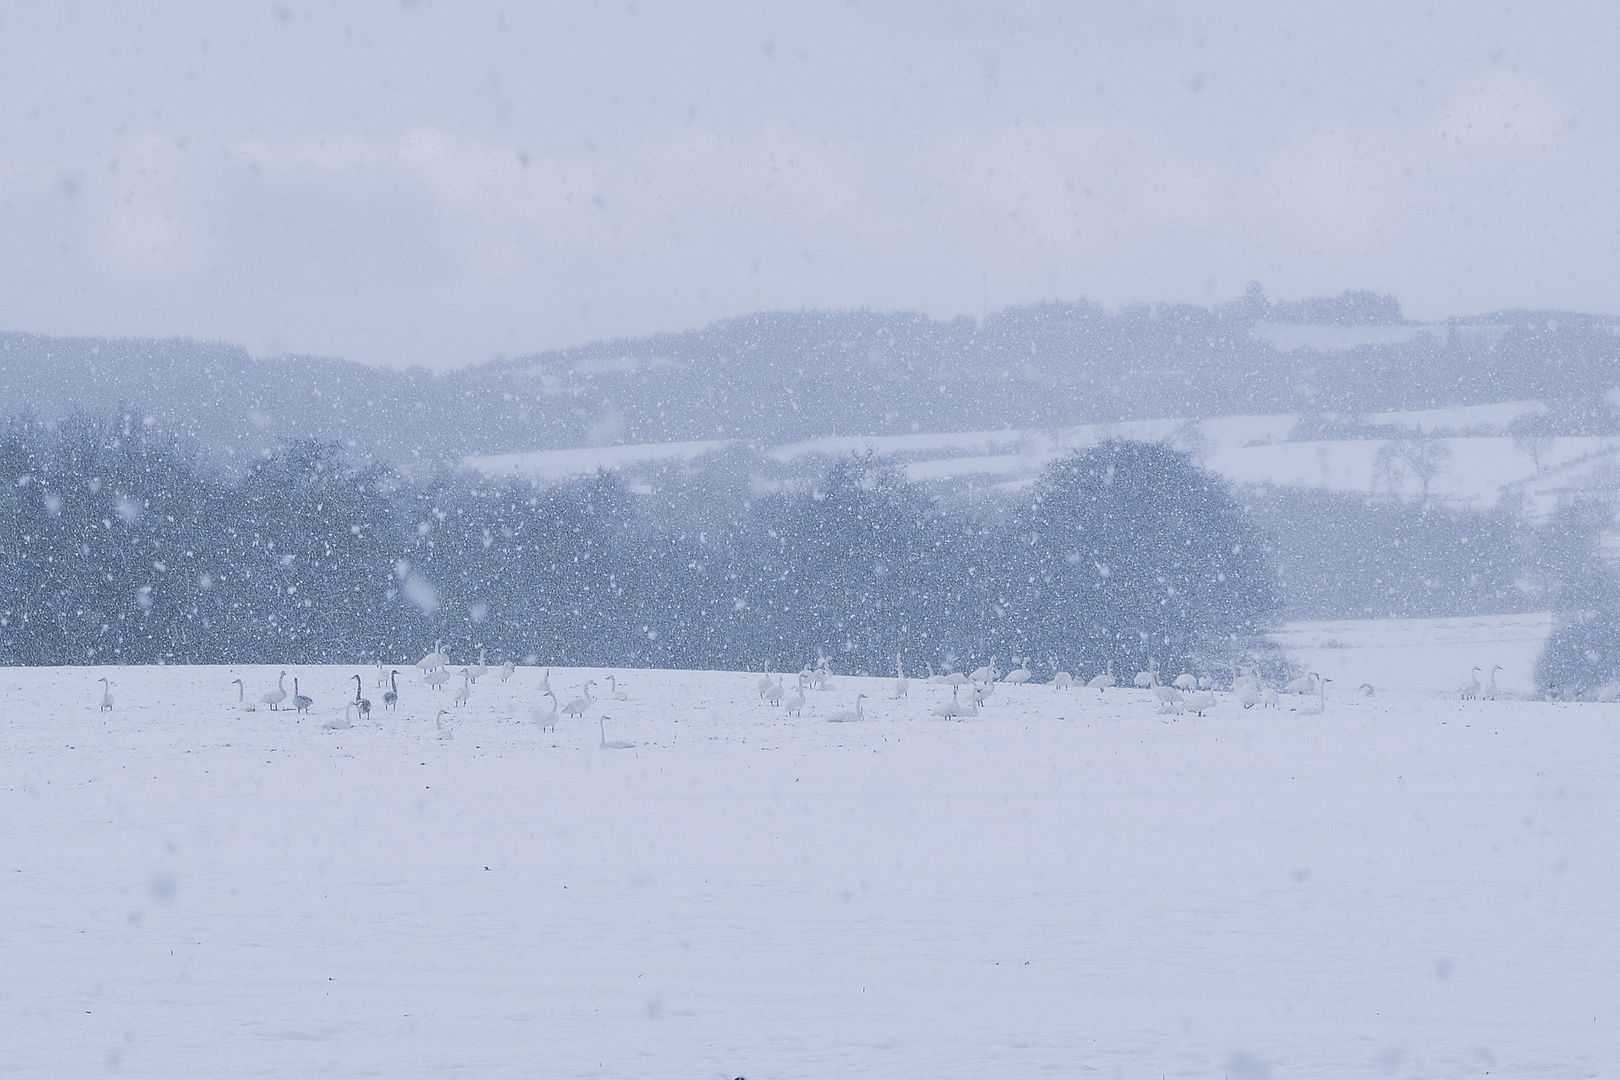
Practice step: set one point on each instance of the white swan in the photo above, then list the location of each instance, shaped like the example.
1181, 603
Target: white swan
361, 704
764, 685
601, 725
505, 671
1185, 681
1321, 699
577, 706
1019, 674
382, 675
274, 698
1102, 682
241, 698
546, 720
301, 702
478, 670
936, 679
106, 694
1247, 691
334, 724
949, 710
1490, 687
438, 725
1061, 680
849, 716
391, 695
434, 659
1305, 684
619, 695
795, 704
1470, 689
987, 673
466, 689
436, 677
1146, 679
1269, 698
1169, 695
1199, 700
902, 685
773, 696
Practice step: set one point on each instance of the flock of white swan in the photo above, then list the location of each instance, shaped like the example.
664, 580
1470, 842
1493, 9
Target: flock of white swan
970, 692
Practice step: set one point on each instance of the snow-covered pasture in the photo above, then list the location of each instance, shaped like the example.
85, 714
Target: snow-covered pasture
1480, 468
1420, 656
1070, 883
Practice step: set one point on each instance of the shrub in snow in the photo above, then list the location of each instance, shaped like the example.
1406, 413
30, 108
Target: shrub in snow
1581, 658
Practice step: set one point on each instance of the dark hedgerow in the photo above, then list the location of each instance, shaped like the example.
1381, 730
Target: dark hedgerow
115, 547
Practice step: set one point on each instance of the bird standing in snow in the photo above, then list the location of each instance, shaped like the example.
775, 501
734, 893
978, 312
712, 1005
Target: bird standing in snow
1470, 689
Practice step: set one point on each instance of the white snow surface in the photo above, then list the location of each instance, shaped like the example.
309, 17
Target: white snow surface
1069, 884
1420, 655
1482, 466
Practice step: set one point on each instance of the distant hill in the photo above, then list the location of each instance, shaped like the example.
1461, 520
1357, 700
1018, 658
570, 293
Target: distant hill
784, 376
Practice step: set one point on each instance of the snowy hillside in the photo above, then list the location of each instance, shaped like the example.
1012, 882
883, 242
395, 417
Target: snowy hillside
1480, 463
1070, 883
793, 377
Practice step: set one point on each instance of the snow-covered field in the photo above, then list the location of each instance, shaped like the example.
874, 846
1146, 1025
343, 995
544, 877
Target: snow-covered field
1069, 884
1479, 468
1421, 656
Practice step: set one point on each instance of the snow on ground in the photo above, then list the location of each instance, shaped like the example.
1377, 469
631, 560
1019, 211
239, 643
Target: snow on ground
1477, 472
1408, 886
1420, 655
1479, 469
585, 460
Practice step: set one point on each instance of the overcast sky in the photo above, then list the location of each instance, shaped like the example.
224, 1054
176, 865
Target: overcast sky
437, 183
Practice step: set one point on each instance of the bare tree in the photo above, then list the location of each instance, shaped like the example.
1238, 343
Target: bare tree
1191, 440
1531, 437
1423, 458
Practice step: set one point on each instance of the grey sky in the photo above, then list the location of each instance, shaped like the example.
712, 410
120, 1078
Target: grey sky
436, 183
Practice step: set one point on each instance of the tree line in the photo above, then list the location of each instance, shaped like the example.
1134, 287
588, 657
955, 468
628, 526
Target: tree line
117, 546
